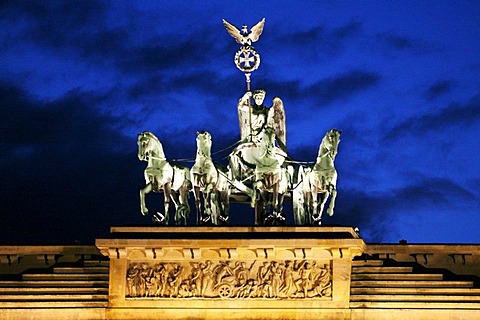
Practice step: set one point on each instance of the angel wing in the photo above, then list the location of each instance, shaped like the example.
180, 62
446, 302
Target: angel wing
233, 31
276, 120
243, 36
256, 30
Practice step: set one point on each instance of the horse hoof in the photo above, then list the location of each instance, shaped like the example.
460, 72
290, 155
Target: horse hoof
145, 213
159, 218
223, 219
269, 219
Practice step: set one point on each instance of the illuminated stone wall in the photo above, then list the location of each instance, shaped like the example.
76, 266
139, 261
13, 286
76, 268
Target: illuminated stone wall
290, 271
240, 273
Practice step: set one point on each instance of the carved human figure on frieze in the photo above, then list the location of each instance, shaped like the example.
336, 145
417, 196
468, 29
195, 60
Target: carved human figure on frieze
133, 276
207, 280
175, 279
288, 285
196, 277
324, 282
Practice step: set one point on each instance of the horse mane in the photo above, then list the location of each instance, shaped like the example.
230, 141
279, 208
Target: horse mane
154, 138
323, 149
150, 135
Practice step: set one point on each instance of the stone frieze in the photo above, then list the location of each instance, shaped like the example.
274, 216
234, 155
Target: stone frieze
288, 279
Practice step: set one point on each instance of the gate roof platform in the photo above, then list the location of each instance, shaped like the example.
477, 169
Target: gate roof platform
239, 232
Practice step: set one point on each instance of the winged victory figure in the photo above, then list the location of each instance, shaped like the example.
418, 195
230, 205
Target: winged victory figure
261, 118
276, 120
244, 37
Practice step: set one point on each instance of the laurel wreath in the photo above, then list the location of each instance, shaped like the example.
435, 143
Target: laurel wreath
247, 59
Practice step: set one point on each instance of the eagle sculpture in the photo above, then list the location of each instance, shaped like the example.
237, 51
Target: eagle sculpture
244, 37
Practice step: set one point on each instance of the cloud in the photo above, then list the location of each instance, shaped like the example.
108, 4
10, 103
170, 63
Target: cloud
438, 88
338, 87
289, 89
28, 121
317, 41
453, 115
327, 37
433, 192
157, 56
401, 43
86, 31
397, 42
299, 38
347, 31
367, 211
343, 86
376, 214
53, 155
55, 24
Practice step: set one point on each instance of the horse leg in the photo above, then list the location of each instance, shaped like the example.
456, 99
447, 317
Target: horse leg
332, 201
259, 209
167, 190
280, 216
207, 199
253, 199
308, 208
258, 202
298, 208
316, 216
225, 206
198, 203
183, 198
323, 200
148, 188
174, 198
214, 206
277, 210
268, 202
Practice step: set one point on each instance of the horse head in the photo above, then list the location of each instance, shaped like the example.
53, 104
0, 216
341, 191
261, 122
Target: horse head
268, 140
204, 143
329, 145
148, 144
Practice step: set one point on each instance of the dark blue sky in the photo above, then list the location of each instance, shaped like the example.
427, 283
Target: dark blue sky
79, 80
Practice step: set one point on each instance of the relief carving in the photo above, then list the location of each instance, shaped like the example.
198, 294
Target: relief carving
230, 279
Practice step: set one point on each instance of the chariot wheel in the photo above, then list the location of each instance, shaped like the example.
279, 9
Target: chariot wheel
225, 291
